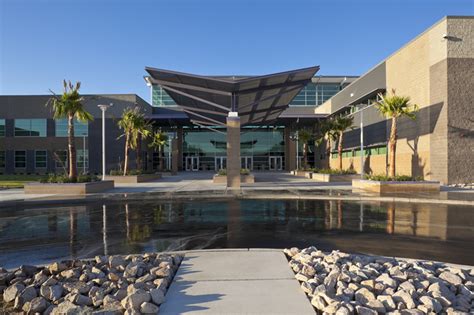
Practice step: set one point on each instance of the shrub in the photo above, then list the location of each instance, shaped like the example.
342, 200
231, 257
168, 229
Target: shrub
335, 172
396, 178
54, 178
223, 172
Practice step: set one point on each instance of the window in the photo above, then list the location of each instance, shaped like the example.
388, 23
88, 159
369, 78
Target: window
30, 127
82, 159
20, 159
41, 159
2, 127
2, 159
60, 159
314, 94
160, 97
80, 128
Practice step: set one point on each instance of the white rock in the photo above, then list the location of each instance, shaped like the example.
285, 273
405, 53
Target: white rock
36, 305
431, 303
363, 296
450, 277
12, 292
149, 308
135, 299
361, 310
388, 302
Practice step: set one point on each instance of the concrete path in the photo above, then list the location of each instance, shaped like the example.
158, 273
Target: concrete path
268, 185
235, 282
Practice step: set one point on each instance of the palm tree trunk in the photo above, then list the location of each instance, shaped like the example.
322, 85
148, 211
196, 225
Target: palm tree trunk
339, 150
125, 163
393, 146
139, 153
160, 153
305, 155
72, 149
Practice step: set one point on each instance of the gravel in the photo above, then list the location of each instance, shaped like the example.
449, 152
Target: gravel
132, 284
341, 283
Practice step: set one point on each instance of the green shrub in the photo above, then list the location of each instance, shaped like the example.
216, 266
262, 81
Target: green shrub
223, 172
61, 178
397, 178
335, 172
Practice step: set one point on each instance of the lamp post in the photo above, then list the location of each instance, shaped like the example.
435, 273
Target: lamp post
103, 108
296, 139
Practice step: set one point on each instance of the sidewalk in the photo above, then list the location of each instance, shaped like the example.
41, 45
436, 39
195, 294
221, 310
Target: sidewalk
277, 185
255, 281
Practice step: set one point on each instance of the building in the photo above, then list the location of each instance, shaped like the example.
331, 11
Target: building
436, 70
32, 142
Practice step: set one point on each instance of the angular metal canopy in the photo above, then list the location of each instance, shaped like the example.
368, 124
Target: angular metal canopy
208, 99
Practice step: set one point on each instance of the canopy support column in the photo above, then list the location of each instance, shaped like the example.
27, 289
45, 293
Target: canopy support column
233, 151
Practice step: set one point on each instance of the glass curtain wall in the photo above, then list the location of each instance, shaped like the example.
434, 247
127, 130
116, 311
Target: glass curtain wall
257, 146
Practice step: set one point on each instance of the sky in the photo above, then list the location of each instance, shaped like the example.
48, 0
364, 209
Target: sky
106, 44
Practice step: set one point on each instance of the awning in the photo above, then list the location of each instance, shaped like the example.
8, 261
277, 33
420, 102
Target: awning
207, 100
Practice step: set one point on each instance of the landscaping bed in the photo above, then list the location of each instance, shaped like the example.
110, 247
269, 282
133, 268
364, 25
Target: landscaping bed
135, 284
334, 178
395, 186
358, 284
69, 188
133, 179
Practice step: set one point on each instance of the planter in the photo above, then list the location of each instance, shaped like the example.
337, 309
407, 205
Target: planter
334, 178
134, 179
395, 187
244, 179
306, 174
69, 188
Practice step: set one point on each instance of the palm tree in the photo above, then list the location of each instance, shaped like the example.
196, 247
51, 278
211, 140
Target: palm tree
340, 125
143, 128
131, 123
159, 140
394, 106
69, 105
325, 131
305, 136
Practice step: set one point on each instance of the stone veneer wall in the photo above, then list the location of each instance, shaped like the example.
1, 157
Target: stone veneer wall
460, 116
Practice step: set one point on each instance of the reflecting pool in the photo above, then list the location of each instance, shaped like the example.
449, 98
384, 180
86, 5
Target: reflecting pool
40, 234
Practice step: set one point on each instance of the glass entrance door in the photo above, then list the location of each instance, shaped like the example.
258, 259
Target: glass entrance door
220, 162
192, 163
275, 163
246, 162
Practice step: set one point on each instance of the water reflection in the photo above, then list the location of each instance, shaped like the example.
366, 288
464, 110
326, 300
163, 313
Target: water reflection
41, 234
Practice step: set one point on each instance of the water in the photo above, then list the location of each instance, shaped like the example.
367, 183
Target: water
38, 235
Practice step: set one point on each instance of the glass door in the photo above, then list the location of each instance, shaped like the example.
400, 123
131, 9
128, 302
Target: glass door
220, 162
275, 163
246, 162
192, 163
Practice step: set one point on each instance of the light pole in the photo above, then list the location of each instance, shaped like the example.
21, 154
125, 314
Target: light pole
296, 139
103, 108
84, 153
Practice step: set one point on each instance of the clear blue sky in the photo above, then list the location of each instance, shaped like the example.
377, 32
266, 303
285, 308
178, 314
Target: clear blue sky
106, 44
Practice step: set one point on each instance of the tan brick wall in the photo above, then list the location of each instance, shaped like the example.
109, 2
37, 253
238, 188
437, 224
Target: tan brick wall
408, 72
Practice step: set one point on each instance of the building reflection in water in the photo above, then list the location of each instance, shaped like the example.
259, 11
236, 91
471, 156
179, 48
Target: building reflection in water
156, 226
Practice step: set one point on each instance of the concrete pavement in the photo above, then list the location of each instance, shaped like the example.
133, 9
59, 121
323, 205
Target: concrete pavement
235, 282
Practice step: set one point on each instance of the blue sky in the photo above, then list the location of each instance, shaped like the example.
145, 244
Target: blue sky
106, 44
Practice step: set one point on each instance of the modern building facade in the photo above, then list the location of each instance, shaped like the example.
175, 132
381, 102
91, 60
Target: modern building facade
436, 69
32, 142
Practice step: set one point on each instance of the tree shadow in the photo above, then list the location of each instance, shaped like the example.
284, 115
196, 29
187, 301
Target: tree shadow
178, 299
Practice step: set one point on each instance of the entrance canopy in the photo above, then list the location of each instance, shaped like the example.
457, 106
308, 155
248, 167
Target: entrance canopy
208, 99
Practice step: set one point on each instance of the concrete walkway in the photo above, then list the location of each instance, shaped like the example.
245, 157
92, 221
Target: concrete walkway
268, 185
235, 282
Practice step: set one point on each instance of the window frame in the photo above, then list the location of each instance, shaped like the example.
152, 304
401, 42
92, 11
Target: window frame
15, 161
45, 161
30, 128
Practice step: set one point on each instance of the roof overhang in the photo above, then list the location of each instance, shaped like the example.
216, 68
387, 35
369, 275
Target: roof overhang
207, 100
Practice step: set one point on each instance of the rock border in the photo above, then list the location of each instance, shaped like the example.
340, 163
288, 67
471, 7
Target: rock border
132, 284
344, 283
